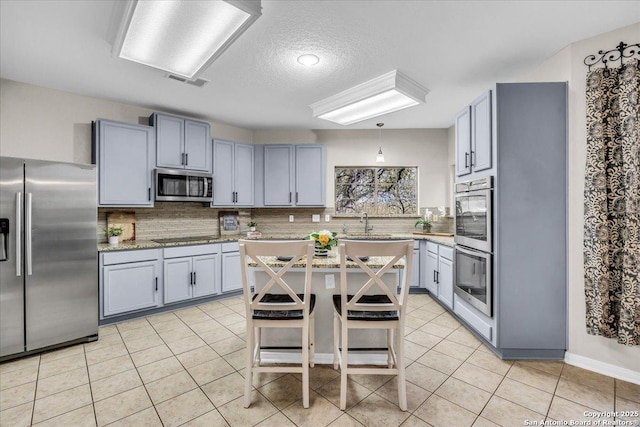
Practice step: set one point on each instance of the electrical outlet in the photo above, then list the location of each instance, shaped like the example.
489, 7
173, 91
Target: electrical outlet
290, 218
315, 218
329, 281
327, 218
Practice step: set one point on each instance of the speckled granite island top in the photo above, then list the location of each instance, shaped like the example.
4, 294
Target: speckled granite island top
330, 261
151, 244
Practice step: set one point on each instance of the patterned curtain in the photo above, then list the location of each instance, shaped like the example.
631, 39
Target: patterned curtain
612, 204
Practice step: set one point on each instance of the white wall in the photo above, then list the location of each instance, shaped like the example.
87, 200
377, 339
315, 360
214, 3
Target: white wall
47, 124
568, 65
425, 148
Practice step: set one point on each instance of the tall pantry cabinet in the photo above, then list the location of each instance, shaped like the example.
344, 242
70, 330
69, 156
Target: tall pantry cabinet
527, 157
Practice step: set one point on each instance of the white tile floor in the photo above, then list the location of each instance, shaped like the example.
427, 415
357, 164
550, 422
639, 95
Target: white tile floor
186, 368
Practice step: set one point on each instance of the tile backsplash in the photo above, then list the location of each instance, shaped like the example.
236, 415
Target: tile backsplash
178, 219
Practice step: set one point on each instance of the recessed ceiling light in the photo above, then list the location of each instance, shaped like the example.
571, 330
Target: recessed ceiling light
308, 59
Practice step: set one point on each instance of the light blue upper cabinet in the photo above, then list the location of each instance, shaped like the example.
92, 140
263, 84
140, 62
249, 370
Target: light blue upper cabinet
294, 175
182, 143
481, 133
278, 175
197, 146
125, 155
243, 174
473, 136
463, 142
310, 175
233, 169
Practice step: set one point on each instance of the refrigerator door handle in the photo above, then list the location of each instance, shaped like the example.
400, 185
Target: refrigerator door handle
27, 229
18, 236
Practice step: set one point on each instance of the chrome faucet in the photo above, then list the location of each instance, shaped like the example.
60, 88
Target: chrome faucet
364, 217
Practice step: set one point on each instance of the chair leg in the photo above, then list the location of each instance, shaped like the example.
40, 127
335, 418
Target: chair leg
258, 343
389, 348
336, 339
402, 385
305, 365
312, 340
248, 381
344, 364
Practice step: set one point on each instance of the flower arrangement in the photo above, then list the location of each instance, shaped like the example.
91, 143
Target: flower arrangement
425, 224
324, 239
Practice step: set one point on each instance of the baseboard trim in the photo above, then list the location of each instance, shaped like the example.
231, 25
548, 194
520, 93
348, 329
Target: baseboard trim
602, 368
322, 358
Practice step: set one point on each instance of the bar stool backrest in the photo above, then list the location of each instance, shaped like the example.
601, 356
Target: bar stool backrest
252, 251
392, 251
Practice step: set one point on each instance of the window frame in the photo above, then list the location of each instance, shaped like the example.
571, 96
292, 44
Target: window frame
374, 193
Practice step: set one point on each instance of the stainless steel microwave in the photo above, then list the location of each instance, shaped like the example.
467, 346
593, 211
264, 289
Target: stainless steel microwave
175, 185
474, 203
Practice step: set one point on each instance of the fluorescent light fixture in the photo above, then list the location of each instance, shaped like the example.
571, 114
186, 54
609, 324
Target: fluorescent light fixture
385, 94
182, 37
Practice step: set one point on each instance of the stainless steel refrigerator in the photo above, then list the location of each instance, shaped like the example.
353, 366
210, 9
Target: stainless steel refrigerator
48, 255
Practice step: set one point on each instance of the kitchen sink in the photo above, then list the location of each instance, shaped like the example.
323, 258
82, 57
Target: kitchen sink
372, 236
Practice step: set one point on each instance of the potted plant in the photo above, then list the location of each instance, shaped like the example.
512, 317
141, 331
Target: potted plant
425, 224
113, 233
324, 240
252, 225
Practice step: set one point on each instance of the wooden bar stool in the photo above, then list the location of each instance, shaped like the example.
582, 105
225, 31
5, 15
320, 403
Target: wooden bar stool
373, 306
276, 305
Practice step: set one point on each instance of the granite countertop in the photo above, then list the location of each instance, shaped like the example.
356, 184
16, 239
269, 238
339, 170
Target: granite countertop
150, 244
330, 261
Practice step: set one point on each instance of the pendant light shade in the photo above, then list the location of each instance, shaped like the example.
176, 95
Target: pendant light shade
182, 37
380, 156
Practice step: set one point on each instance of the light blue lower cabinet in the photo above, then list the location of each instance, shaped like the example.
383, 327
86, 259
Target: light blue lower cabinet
191, 272
129, 282
231, 274
132, 282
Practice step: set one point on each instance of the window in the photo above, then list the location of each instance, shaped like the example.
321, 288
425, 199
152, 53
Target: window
377, 191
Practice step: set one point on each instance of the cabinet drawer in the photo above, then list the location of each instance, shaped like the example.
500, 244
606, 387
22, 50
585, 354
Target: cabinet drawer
416, 244
432, 247
473, 319
195, 250
446, 252
230, 247
122, 257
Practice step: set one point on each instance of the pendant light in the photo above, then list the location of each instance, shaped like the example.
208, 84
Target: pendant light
380, 156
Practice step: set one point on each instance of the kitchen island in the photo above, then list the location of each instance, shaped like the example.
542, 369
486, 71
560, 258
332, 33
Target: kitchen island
325, 282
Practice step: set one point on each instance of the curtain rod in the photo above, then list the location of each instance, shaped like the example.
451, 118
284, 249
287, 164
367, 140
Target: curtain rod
620, 52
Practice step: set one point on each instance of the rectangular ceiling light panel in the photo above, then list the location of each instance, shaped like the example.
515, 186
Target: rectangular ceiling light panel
182, 37
385, 94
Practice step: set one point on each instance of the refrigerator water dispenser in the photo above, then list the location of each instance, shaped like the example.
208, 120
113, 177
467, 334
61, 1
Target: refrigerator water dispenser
4, 239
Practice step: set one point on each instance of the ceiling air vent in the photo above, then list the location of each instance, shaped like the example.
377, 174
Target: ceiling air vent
196, 82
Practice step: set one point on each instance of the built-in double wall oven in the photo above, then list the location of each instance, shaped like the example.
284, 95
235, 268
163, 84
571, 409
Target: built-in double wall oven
474, 243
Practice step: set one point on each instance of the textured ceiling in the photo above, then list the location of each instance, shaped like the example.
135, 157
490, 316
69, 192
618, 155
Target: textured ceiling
454, 48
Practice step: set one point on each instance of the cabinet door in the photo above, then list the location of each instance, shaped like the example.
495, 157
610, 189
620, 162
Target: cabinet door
231, 274
169, 141
177, 279
481, 133
206, 270
125, 164
463, 142
278, 175
415, 269
431, 264
129, 287
243, 169
445, 281
197, 146
310, 175
223, 188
